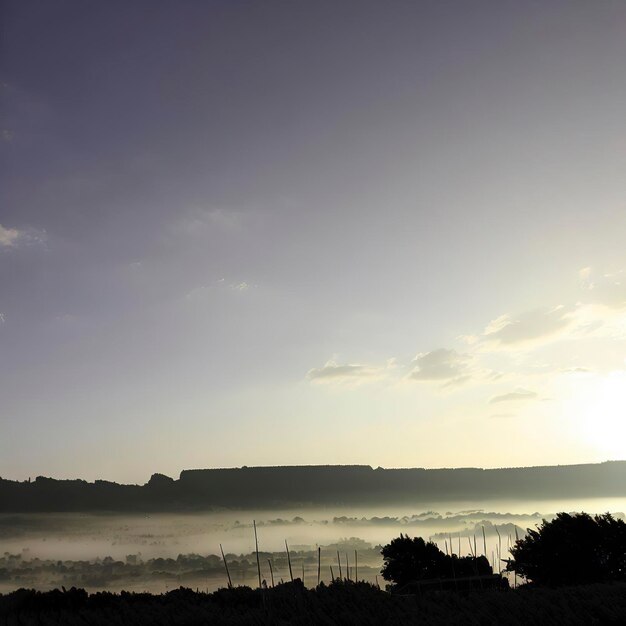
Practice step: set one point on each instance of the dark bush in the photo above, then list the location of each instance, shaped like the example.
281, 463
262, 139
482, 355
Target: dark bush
572, 549
409, 559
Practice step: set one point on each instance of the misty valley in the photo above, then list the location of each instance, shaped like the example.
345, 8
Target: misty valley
158, 552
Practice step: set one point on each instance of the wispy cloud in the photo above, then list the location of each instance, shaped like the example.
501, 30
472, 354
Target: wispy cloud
514, 396
9, 236
204, 291
243, 286
14, 237
441, 365
197, 221
606, 289
597, 311
539, 324
334, 372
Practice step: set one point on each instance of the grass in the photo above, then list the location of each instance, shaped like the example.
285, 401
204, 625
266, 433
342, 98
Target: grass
338, 603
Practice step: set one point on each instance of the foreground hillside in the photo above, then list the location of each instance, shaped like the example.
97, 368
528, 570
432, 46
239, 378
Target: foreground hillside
339, 603
269, 487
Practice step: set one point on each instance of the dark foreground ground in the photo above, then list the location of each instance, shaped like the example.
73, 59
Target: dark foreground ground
339, 603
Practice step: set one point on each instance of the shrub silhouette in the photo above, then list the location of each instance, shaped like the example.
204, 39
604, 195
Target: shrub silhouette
407, 560
337, 603
572, 549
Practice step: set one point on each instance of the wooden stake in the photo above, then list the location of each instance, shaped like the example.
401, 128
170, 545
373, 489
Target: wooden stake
319, 564
498, 553
289, 561
452, 564
356, 567
271, 571
256, 545
339, 560
230, 582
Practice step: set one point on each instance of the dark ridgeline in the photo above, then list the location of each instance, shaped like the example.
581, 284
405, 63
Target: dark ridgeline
314, 485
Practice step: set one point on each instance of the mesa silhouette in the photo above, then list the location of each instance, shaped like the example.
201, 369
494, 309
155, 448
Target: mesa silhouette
315, 485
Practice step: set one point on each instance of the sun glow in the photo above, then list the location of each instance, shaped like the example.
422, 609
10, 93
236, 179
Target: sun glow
602, 411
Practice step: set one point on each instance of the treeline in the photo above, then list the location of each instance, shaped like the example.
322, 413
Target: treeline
269, 487
337, 603
571, 549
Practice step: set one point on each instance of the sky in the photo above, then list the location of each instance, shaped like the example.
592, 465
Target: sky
308, 232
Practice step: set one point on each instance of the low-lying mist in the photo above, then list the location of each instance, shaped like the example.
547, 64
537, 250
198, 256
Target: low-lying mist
157, 552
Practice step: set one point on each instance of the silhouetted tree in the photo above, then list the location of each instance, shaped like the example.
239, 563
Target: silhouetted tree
572, 549
412, 559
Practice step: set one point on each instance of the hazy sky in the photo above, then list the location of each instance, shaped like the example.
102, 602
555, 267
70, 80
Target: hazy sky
384, 232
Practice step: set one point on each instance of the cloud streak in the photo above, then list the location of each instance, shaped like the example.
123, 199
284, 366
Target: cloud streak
514, 396
441, 365
14, 238
608, 289
333, 372
539, 324
9, 237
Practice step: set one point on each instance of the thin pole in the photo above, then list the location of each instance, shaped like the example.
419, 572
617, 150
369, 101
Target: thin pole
347, 568
271, 571
319, 564
332, 574
498, 553
339, 560
230, 582
516, 540
484, 543
303, 570
356, 567
452, 564
289, 561
256, 545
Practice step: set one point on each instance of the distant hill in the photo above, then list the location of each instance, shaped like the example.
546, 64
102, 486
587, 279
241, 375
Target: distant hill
314, 485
